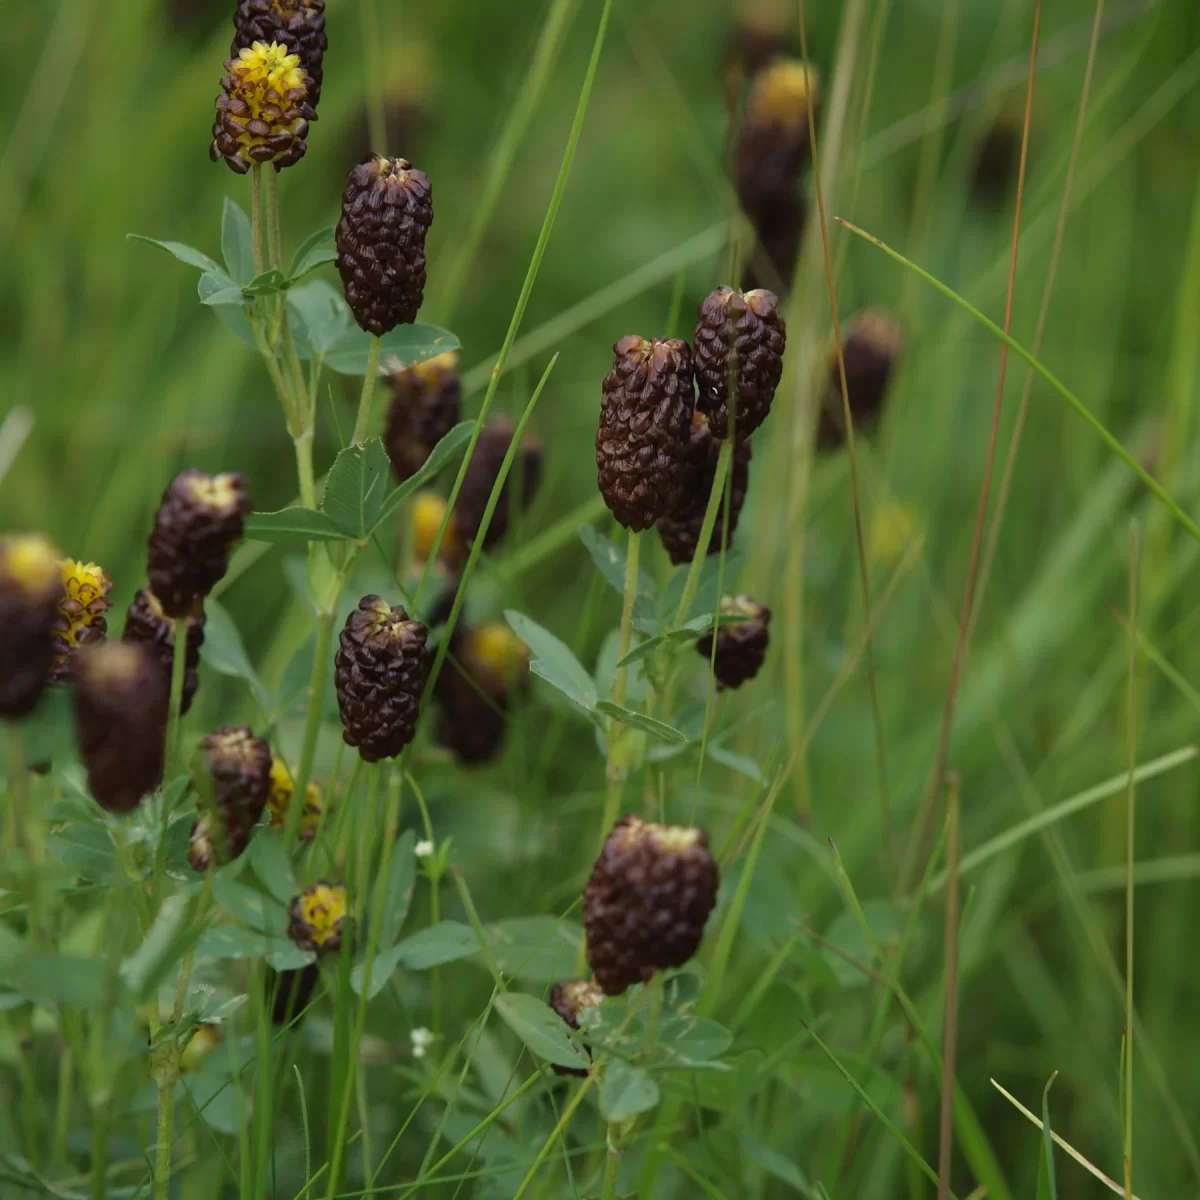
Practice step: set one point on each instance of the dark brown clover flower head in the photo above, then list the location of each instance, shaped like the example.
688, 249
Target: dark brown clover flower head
772, 145
289, 993
645, 423
235, 774
426, 405
647, 901
121, 722
742, 645
297, 24
283, 789
761, 32
264, 109
569, 1000
149, 626
739, 336
81, 608
318, 917
482, 473
475, 692
870, 346
197, 523
770, 155
680, 528
30, 590
381, 666
387, 208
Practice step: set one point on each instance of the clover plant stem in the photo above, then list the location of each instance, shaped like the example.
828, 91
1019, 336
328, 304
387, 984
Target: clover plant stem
612, 1166
368, 390
256, 222
178, 673
274, 243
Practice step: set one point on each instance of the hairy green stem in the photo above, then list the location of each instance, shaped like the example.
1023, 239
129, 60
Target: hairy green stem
368, 390
706, 532
256, 223
274, 245
178, 672
612, 1166
166, 1074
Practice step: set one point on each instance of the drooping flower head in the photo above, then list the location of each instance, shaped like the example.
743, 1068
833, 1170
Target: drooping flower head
741, 645
234, 768
81, 610
426, 405
263, 115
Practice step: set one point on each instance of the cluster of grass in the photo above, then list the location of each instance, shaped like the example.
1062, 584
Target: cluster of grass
817, 1006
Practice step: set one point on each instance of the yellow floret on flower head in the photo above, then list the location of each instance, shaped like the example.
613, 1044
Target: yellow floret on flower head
30, 561
283, 787
318, 916
81, 609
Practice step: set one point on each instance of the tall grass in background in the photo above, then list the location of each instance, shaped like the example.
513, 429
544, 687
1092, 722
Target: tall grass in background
578, 166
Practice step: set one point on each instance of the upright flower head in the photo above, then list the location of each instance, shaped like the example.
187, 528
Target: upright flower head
741, 645
283, 788
740, 338
81, 610
297, 24
197, 523
474, 692
148, 625
426, 405
871, 344
318, 917
482, 473
381, 665
647, 901
121, 722
263, 114
680, 528
645, 422
770, 154
233, 770
30, 589
387, 208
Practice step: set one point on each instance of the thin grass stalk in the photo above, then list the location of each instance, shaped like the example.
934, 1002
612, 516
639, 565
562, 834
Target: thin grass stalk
372, 46
533, 87
950, 1002
715, 497
1131, 700
312, 722
885, 804
920, 835
1064, 209
531, 274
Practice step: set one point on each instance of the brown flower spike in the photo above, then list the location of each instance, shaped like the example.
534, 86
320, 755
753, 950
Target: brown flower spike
569, 1001
381, 666
482, 473
742, 645
264, 111
738, 337
81, 609
149, 626
235, 771
120, 699
200, 518
647, 901
680, 528
297, 24
387, 209
30, 590
870, 347
645, 423
426, 405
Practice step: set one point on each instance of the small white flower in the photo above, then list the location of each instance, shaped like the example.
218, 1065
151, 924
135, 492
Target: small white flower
421, 1041
423, 849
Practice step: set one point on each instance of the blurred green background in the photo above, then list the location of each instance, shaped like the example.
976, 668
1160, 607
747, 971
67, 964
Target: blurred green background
104, 127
